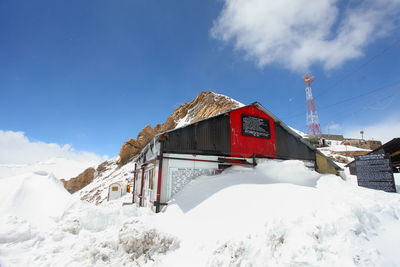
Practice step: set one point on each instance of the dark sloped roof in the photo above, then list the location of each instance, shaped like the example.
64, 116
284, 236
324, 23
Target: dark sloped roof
392, 148
259, 106
270, 114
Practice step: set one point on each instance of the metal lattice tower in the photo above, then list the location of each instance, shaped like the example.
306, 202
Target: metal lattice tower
312, 123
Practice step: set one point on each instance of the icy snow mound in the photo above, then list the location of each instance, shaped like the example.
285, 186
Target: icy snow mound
275, 215
37, 197
141, 241
106, 235
344, 148
204, 189
62, 168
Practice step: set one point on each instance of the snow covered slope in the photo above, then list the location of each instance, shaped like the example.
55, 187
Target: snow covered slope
278, 214
205, 105
97, 191
37, 197
342, 154
62, 168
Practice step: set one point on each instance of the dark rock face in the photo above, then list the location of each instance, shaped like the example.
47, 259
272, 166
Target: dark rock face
82, 180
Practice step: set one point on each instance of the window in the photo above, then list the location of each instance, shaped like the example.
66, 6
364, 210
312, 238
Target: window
151, 179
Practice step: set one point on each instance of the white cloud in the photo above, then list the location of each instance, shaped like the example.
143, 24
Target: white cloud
18, 154
298, 34
382, 131
333, 127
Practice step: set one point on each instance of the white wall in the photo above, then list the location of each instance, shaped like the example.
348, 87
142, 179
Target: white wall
115, 194
177, 173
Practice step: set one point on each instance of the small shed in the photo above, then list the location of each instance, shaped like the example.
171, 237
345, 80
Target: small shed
116, 190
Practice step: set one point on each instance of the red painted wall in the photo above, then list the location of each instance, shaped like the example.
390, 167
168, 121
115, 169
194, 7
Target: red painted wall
246, 146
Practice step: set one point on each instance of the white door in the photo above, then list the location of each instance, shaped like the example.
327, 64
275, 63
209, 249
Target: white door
146, 189
114, 191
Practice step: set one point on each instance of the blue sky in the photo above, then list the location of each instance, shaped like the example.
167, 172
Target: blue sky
93, 73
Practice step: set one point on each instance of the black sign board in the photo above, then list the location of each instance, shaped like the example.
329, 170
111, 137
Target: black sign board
374, 171
254, 126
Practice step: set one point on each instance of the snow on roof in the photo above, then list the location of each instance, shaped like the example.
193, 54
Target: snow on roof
341, 148
231, 99
184, 121
298, 132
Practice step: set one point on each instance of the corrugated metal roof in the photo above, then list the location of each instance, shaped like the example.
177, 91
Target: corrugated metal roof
261, 107
392, 148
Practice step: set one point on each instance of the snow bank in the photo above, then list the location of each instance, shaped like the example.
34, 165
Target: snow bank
139, 240
37, 197
248, 218
287, 171
277, 214
340, 148
87, 235
270, 172
62, 168
14, 229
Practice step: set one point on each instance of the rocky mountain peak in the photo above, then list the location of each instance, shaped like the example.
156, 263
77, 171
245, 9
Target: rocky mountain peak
205, 105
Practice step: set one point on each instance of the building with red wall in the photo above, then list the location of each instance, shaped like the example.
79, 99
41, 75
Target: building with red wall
240, 136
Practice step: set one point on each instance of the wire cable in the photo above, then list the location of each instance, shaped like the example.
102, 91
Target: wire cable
391, 86
360, 67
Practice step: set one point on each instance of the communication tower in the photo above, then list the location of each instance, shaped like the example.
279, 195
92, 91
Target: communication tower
312, 123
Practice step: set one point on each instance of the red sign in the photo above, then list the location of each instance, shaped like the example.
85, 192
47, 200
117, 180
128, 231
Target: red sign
255, 135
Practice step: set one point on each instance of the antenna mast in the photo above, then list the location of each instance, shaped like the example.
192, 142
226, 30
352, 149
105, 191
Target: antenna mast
312, 123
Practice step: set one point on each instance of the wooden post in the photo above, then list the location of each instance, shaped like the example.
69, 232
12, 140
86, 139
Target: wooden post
134, 184
141, 188
159, 180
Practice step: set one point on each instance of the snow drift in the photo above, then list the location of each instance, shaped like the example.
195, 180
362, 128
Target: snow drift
250, 219
35, 197
62, 168
277, 214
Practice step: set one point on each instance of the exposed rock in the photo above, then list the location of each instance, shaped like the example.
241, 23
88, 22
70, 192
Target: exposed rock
205, 105
103, 166
360, 143
83, 179
351, 153
129, 149
318, 141
339, 159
